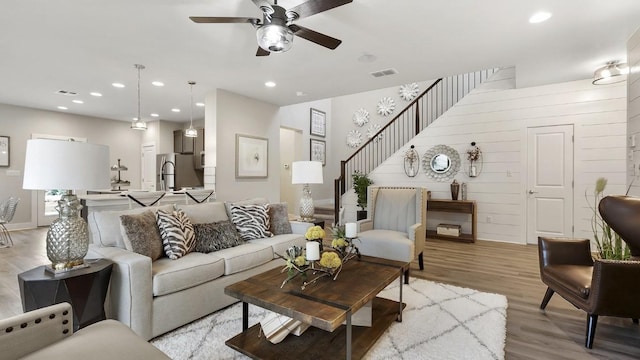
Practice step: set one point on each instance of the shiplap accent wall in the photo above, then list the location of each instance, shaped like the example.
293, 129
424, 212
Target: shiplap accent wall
497, 119
633, 112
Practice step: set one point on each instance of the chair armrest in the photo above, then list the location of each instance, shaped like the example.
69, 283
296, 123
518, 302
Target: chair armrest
23, 334
364, 225
300, 227
614, 290
563, 251
131, 295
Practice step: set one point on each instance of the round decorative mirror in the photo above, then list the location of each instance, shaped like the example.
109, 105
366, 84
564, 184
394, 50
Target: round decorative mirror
441, 163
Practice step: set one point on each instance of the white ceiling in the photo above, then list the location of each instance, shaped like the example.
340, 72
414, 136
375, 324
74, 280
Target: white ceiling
85, 46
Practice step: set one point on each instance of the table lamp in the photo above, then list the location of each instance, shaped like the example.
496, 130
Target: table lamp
66, 165
306, 172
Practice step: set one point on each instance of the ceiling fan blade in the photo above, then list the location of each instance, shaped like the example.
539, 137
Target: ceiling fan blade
223, 20
312, 7
316, 37
262, 52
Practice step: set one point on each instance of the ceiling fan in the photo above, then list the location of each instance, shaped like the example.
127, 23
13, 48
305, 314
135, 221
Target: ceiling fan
276, 29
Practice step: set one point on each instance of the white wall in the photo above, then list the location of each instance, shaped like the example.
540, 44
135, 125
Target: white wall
633, 112
497, 120
20, 122
236, 114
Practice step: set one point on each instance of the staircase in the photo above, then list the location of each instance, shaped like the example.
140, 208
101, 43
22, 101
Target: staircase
416, 117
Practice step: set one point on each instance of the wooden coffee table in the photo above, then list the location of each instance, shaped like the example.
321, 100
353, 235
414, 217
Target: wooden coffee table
324, 305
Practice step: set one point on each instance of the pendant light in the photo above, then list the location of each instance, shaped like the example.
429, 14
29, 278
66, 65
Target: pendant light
138, 123
191, 132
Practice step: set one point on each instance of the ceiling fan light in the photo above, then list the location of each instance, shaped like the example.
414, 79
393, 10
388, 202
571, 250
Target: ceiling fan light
611, 73
275, 38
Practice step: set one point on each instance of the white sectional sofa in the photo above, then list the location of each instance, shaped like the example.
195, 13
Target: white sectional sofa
154, 297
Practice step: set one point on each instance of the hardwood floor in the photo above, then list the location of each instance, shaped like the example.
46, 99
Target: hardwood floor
507, 269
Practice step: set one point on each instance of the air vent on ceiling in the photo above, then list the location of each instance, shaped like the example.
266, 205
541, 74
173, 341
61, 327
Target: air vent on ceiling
66, 92
385, 72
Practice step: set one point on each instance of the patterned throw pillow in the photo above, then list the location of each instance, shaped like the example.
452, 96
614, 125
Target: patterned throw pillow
251, 221
216, 236
279, 219
141, 235
177, 233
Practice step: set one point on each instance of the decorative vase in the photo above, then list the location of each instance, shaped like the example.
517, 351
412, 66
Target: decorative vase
411, 162
68, 235
463, 188
473, 171
455, 189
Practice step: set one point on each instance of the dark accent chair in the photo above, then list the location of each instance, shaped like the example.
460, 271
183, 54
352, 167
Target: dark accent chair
600, 287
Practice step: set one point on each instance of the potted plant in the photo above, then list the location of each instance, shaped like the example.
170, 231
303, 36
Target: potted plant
610, 245
360, 183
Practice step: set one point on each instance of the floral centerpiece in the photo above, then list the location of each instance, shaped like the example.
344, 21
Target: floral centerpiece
315, 233
330, 262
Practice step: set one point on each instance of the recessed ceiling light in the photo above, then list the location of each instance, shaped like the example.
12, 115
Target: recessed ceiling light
367, 58
157, 83
539, 17
175, 110
78, 101
154, 115
96, 94
200, 104
63, 107
134, 118
118, 85
270, 84
301, 93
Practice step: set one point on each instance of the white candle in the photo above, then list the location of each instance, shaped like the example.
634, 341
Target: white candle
351, 230
313, 250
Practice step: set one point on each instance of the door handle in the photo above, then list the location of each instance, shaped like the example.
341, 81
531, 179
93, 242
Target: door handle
532, 192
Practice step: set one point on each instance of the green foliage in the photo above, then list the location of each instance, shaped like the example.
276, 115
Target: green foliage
610, 245
360, 183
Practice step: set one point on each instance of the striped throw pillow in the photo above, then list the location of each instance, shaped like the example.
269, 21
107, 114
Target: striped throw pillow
251, 221
176, 231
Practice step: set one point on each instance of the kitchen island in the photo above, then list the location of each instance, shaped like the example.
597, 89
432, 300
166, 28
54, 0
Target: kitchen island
120, 201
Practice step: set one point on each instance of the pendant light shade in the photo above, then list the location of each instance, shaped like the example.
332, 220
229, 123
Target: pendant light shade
191, 132
138, 123
610, 73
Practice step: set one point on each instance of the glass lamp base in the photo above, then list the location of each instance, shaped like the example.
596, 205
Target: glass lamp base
306, 204
68, 236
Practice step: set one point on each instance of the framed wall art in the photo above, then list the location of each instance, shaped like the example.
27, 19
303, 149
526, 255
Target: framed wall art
318, 122
251, 157
318, 149
4, 151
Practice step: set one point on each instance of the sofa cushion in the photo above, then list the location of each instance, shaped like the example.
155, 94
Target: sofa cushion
279, 219
243, 257
104, 226
251, 221
280, 243
193, 269
141, 235
177, 233
386, 244
216, 236
205, 212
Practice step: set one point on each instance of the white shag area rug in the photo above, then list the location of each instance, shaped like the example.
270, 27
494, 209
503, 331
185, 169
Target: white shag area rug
440, 322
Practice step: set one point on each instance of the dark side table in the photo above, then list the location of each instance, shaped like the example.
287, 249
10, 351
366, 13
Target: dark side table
85, 289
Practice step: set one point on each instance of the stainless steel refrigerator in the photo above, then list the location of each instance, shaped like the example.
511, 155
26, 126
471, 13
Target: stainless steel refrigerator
177, 171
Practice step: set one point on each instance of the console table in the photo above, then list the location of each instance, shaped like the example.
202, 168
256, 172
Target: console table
454, 206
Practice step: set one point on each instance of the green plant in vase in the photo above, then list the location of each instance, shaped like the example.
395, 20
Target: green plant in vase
360, 183
610, 245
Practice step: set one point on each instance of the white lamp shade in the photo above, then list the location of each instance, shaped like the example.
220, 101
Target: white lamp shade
306, 172
65, 165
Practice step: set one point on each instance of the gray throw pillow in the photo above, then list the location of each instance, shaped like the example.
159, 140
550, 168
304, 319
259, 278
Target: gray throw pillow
216, 236
279, 219
177, 233
141, 235
251, 221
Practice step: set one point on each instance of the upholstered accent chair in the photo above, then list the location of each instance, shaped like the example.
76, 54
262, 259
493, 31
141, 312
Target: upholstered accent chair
600, 287
47, 334
395, 227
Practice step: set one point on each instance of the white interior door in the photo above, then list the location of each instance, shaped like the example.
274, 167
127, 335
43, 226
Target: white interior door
550, 182
290, 151
148, 176
46, 201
